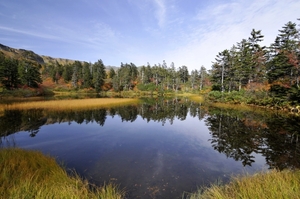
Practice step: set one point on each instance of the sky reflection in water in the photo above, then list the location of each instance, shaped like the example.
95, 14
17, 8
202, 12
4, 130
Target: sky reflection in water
148, 159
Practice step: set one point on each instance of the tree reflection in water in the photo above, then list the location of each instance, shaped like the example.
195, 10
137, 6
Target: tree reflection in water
237, 134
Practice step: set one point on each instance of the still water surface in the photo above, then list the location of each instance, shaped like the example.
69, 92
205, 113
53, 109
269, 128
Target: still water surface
160, 149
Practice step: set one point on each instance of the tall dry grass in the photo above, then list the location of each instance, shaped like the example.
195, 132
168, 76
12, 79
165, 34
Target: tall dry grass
30, 174
271, 185
70, 104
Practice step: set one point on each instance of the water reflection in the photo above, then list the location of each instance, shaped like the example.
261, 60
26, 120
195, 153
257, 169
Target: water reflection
241, 134
160, 148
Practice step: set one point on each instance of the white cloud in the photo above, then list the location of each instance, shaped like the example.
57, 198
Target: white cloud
220, 27
28, 32
160, 12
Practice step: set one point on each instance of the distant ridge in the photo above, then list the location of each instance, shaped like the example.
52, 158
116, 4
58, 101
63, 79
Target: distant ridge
32, 56
23, 54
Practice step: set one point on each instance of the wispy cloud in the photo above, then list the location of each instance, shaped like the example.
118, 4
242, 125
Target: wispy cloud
160, 13
218, 27
28, 32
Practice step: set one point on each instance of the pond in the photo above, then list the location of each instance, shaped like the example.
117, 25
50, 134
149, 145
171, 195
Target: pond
161, 148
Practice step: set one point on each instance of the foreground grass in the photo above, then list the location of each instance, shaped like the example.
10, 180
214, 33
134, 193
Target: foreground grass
30, 174
270, 185
70, 104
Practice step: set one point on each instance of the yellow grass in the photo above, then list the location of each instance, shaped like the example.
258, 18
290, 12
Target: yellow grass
70, 104
271, 185
30, 174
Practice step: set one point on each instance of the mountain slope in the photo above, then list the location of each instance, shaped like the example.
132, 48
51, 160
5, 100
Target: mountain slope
30, 55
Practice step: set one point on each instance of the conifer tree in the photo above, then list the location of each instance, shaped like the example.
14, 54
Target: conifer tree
9, 75
99, 75
29, 74
87, 76
283, 61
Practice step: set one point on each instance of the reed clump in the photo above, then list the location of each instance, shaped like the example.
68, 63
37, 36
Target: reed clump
271, 185
70, 104
30, 174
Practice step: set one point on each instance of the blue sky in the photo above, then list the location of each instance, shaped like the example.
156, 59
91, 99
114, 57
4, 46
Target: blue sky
186, 32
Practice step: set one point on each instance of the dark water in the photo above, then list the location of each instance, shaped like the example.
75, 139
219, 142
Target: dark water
161, 148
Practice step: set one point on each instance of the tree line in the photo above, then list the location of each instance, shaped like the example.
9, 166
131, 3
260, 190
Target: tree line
159, 77
274, 69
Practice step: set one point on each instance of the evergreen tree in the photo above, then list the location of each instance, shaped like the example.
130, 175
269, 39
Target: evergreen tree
133, 74
183, 74
112, 73
9, 75
67, 72
194, 78
99, 75
87, 76
75, 76
220, 70
245, 61
116, 83
283, 63
56, 72
258, 59
173, 75
29, 74
148, 74
202, 76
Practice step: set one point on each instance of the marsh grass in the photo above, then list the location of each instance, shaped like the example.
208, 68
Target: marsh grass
30, 174
271, 185
70, 104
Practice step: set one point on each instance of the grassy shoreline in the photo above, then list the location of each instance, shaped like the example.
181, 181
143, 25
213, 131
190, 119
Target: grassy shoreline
70, 103
268, 185
30, 174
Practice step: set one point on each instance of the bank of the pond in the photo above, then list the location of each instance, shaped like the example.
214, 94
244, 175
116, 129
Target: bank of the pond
270, 185
30, 174
258, 99
70, 103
